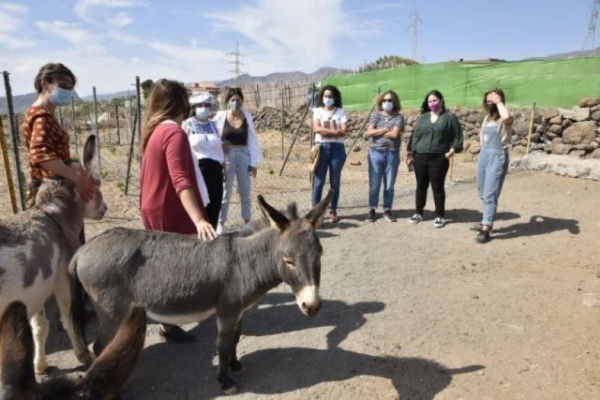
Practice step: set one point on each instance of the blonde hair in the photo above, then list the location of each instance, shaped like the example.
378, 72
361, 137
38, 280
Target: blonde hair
168, 100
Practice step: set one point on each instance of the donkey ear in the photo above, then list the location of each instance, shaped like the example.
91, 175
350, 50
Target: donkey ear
89, 152
292, 210
277, 219
16, 347
315, 216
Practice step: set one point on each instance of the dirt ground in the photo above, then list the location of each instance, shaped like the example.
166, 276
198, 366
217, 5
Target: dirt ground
409, 312
413, 312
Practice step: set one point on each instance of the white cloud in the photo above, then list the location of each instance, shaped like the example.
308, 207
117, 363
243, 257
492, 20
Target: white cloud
14, 43
12, 17
71, 32
102, 11
121, 20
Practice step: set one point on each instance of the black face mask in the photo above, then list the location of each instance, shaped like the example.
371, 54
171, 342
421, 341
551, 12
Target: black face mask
492, 108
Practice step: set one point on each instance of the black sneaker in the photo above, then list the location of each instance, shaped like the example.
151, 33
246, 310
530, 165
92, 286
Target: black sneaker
387, 214
372, 216
483, 237
177, 335
415, 219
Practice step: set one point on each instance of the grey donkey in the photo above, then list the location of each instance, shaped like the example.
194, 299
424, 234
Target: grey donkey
179, 279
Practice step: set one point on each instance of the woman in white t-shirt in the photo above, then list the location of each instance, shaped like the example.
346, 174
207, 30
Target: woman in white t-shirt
207, 152
330, 124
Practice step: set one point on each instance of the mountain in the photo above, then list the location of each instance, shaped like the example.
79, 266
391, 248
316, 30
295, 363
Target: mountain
22, 102
571, 54
276, 77
109, 96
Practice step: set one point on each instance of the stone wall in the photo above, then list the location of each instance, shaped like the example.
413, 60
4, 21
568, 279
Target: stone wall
574, 132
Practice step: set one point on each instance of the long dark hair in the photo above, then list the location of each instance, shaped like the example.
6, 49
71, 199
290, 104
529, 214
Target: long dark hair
492, 110
425, 105
337, 96
232, 92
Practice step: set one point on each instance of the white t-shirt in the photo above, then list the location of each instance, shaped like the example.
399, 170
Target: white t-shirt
335, 118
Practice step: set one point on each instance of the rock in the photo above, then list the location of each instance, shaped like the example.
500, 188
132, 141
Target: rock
580, 132
556, 129
542, 128
560, 148
576, 113
595, 154
548, 148
566, 123
596, 115
557, 140
555, 120
585, 147
473, 119
535, 137
551, 135
474, 147
591, 300
595, 108
521, 127
519, 149
548, 113
589, 101
577, 153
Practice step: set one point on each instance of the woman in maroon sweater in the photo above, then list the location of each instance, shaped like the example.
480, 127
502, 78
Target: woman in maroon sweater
169, 197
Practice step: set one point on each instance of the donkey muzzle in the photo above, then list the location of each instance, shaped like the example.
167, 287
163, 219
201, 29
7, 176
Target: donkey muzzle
308, 300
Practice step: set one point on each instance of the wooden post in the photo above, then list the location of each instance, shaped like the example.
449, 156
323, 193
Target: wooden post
14, 136
96, 130
9, 179
118, 128
452, 168
530, 128
282, 125
74, 126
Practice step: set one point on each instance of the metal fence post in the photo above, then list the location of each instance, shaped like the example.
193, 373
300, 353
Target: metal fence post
282, 125
96, 130
118, 128
13, 135
138, 111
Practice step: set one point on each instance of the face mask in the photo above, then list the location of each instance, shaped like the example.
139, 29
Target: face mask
387, 106
60, 96
203, 112
492, 108
435, 107
328, 101
235, 105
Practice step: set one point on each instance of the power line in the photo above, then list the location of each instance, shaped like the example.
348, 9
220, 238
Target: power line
414, 25
237, 63
590, 39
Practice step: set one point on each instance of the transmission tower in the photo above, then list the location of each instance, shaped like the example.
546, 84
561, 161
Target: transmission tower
590, 39
414, 26
237, 63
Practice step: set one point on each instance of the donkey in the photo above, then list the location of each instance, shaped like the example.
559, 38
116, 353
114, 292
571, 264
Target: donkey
36, 247
179, 279
104, 379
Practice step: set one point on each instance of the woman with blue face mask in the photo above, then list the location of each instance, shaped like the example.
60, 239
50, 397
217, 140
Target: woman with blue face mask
330, 125
207, 152
242, 153
46, 141
385, 131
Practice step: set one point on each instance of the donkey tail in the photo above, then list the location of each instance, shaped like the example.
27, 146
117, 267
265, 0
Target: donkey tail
77, 312
113, 367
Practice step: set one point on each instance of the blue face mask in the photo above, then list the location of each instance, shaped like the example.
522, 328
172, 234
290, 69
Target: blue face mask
202, 113
328, 101
235, 105
60, 96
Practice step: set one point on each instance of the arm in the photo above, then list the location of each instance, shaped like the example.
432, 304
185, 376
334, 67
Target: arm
396, 131
253, 145
205, 229
456, 145
372, 131
58, 167
504, 112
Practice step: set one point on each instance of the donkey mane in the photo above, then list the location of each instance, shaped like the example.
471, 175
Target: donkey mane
61, 189
263, 222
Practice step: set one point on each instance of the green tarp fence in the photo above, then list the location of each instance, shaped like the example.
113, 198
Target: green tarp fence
556, 83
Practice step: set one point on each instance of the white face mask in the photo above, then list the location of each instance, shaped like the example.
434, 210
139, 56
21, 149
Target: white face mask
387, 106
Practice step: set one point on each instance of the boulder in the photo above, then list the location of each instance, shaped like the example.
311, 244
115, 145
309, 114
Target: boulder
577, 153
555, 120
474, 147
595, 154
575, 113
555, 128
580, 133
521, 127
548, 113
589, 101
596, 115
542, 128
566, 123
519, 149
560, 148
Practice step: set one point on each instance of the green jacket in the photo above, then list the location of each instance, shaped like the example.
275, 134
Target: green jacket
438, 137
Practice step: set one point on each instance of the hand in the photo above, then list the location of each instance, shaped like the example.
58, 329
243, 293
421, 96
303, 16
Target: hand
410, 160
495, 98
450, 154
253, 171
84, 187
205, 230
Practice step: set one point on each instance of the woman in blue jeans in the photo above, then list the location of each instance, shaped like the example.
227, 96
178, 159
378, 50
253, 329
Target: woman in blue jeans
492, 166
330, 124
385, 131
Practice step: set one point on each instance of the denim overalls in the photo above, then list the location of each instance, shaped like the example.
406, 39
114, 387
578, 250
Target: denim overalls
491, 169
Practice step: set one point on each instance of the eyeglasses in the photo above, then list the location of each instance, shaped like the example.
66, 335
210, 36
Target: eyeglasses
387, 101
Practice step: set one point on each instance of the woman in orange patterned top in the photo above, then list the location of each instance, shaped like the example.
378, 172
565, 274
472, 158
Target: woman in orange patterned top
47, 142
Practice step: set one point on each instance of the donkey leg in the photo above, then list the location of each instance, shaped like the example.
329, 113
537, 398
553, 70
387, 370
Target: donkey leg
111, 310
226, 348
64, 298
236, 366
40, 328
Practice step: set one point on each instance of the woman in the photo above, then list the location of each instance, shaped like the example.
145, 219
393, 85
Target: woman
492, 166
385, 131
170, 200
330, 125
207, 152
242, 153
46, 141
436, 138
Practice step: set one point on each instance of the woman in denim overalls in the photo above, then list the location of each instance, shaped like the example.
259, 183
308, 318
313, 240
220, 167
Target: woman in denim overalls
493, 159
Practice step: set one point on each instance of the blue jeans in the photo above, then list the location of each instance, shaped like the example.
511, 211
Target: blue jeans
333, 157
237, 162
383, 166
491, 171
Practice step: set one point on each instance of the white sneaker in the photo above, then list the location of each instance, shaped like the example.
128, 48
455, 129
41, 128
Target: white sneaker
415, 219
439, 222
220, 228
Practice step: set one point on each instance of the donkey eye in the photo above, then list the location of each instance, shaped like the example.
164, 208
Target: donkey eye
289, 262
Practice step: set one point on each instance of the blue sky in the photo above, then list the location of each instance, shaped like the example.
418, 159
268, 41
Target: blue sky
108, 42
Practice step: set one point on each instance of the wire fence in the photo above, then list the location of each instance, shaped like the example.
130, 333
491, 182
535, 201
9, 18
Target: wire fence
285, 135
